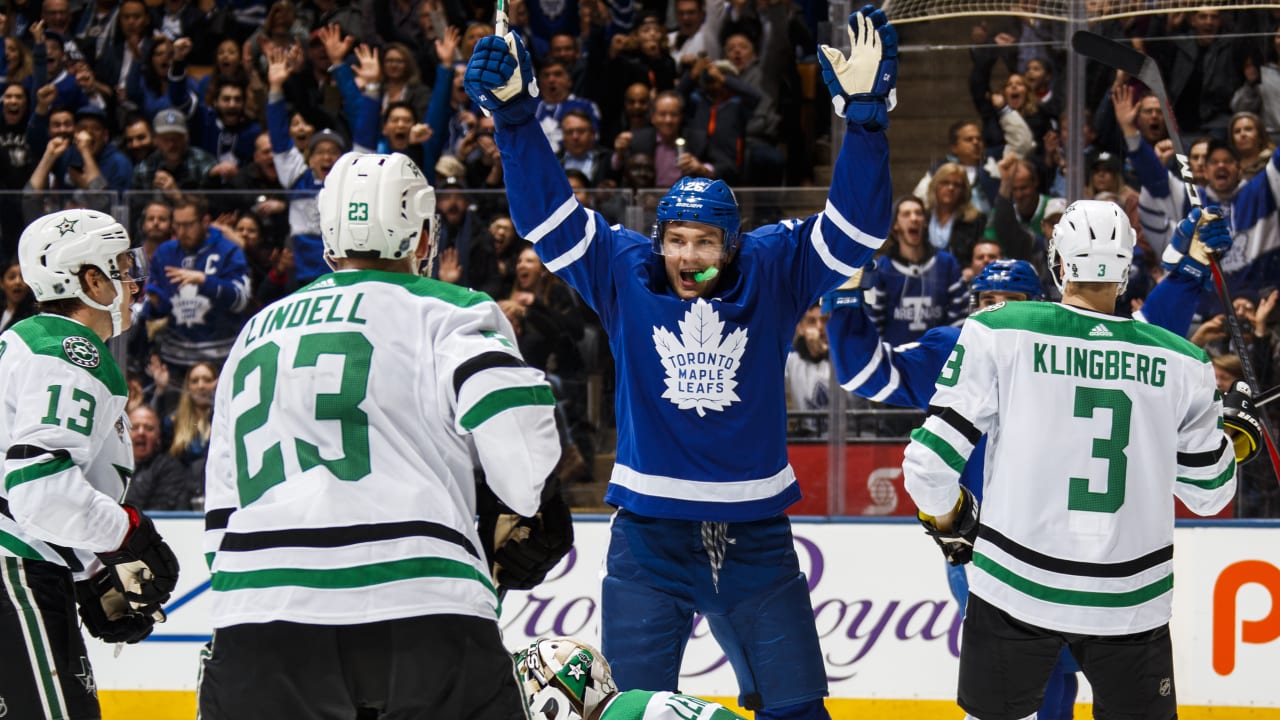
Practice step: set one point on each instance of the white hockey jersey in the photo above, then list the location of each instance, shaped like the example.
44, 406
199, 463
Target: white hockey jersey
340, 483
65, 437
650, 705
1094, 424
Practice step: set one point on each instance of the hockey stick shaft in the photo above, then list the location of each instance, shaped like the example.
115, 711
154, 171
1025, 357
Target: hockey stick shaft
1124, 58
1269, 396
500, 22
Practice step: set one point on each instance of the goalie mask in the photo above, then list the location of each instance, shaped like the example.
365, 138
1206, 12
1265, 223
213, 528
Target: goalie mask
1092, 243
1006, 276
374, 206
563, 679
699, 200
56, 248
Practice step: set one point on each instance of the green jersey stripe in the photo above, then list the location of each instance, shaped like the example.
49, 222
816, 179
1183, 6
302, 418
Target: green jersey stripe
35, 471
420, 286
1212, 483
1055, 320
359, 576
48, 335
505, 399
15, 545
1062, 596
940, 447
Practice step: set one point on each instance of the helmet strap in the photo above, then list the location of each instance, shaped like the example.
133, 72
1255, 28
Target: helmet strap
113, 309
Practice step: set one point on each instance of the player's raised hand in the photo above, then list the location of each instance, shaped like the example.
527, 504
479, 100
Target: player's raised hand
500, 79
1201, 232
863, 85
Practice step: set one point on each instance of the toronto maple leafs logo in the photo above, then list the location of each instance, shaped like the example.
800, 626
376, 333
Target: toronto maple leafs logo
702, 363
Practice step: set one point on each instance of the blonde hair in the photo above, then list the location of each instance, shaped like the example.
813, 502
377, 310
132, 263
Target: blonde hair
964, 209
189, 421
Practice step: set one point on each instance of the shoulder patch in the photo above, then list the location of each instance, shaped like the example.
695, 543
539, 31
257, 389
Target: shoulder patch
81, 352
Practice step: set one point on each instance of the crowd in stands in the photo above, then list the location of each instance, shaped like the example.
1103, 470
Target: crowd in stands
211, 126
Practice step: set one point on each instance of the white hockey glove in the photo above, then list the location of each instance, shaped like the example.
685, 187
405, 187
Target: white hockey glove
500, 78
863, 86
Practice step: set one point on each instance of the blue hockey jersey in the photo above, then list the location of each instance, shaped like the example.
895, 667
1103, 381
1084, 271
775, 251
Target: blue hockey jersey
906, 375
209, 313
910, 298
700, 393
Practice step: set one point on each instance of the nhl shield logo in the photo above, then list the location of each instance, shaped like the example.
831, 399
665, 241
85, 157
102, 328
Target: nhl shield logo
702, 363
81, 352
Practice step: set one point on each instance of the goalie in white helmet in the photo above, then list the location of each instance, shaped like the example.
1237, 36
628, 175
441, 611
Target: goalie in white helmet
65, 539
566, 679
1074, 541
342, 458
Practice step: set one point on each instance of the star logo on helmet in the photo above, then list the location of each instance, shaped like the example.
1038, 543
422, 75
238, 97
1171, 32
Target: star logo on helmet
575, 671
66, 226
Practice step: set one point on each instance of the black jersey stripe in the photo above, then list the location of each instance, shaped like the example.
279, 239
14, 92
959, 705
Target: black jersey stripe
1075, 567
217, 519
480, 363
957, 421
340, 536
27, 452
1207, 458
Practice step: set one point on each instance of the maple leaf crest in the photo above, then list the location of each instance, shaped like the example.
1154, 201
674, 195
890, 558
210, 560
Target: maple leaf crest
701, 363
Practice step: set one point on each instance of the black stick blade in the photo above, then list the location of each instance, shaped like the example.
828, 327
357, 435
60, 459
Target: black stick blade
1108, 52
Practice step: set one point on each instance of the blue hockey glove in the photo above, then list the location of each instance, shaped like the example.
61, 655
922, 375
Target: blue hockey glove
863, 86
500, 79
850, 293
1200, 233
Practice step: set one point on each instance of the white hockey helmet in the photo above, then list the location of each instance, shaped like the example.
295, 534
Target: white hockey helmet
55, 248
1092, 243
563, 678
374, 206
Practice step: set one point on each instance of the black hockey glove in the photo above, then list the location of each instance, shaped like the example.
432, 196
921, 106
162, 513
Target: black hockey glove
107, 615
1241, 422
144, 569
956, 543
523, 550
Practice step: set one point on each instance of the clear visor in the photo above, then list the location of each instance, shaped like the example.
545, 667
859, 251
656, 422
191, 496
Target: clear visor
695, 241
131, 266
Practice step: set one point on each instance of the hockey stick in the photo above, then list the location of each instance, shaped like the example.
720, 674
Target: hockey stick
500, 22
1267, 396
1122, 57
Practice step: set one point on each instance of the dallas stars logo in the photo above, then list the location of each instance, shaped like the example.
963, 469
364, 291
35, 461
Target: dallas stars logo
81, 352
66, 226
85, 676
702, 363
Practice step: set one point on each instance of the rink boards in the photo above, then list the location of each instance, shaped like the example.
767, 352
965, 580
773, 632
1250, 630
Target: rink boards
888, 625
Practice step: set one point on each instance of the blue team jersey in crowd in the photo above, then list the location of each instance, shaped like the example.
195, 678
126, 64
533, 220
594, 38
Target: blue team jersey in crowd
700, 400
211, 311
910, 298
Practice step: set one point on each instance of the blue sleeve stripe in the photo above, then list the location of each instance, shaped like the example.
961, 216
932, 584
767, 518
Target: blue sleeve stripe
824, 252
576, 252
557, 218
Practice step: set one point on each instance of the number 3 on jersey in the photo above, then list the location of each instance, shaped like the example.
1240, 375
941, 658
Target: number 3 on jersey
342, 406
1111, 449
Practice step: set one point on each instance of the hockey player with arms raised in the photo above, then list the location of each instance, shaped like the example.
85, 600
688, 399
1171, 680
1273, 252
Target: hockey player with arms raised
64, 536
699, 317
1074, 544
348, 575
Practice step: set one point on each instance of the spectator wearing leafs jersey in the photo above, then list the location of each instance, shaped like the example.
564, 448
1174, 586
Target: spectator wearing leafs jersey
917, 286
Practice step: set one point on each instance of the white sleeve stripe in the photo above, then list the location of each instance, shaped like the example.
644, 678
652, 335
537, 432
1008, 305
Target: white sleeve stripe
846, 227
889, 387
561, 214
824, 252
576, 252
865, 373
